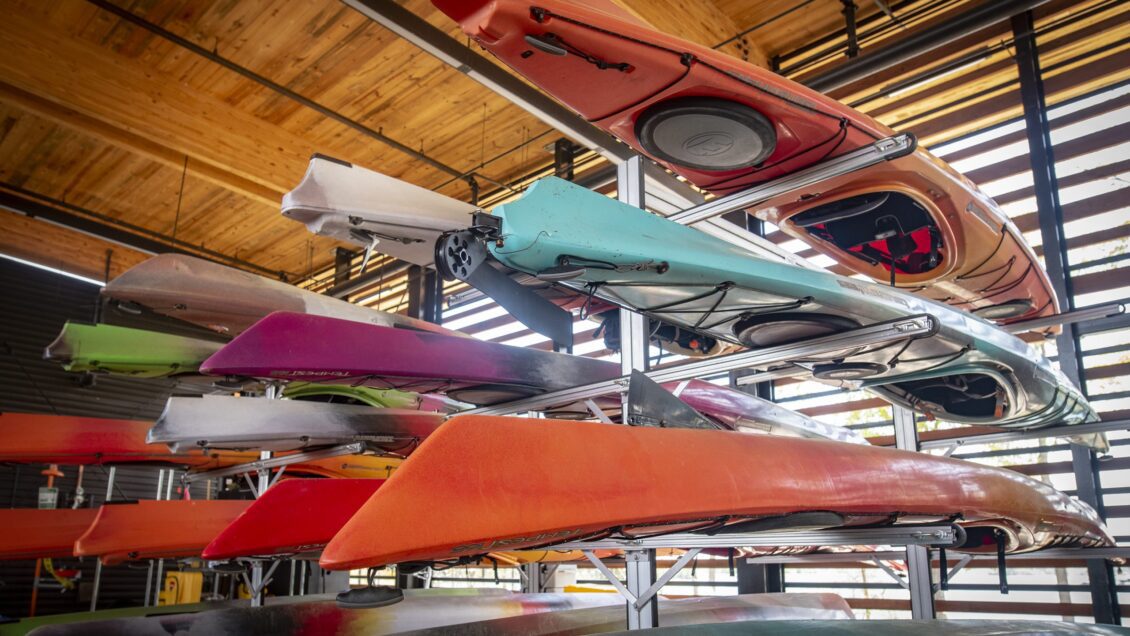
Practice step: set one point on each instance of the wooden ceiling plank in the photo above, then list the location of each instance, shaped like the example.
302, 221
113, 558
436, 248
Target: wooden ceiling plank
143, 146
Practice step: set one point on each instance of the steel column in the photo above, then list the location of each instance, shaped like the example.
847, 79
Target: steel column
98, 563
1041, 155
917, 556
640, 569
634, 341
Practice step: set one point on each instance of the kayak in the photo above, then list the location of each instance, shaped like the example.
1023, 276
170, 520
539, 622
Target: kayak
467, 491
68, 439
172, 529
306, 348
140, 353
872, 627
740, 411
309, 348
461, 611
235, 423
352, 204
31, 533
29, 438
292, 517
969, 371
300, 516
228, 300
725, 125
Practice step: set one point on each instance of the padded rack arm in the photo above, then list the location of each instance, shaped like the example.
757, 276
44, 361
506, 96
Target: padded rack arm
883, 150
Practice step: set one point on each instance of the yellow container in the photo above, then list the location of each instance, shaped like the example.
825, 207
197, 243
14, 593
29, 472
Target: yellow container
181, 587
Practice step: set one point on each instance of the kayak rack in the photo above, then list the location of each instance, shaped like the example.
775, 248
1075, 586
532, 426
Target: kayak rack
281, 462
876, 152
641, 585
910, 327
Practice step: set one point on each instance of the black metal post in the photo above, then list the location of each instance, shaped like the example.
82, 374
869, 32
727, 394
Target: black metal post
433, 297
416, 292
1104, 599
343, 263
563, 151
849, 28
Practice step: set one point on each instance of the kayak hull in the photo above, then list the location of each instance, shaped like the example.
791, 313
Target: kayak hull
434, 507
700, 112
366, 208
30, 533
449, 611
102, 348
228, 300
309, 348
292, 517
129, 531
724, 292
233, 423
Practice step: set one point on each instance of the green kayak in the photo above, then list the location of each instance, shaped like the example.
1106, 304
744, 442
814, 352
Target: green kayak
140, 353
126, 351
969, 371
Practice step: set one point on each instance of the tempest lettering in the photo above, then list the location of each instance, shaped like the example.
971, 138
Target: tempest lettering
873, 291
488, 546
307, 374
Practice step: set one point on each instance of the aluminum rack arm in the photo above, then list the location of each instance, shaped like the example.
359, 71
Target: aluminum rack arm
882, 150
940, 535
916, 326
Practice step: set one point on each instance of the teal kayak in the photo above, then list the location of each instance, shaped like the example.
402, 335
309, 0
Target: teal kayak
969, 371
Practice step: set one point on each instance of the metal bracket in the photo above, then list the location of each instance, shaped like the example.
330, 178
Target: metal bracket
639, 601
916, 326
355, 448
943, 535
869, 155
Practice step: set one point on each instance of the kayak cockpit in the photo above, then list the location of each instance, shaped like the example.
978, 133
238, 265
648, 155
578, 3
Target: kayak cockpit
966, 395
888, 229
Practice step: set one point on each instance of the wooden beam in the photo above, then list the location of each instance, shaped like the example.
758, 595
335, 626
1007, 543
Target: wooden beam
64, 249
138, 144
127, 94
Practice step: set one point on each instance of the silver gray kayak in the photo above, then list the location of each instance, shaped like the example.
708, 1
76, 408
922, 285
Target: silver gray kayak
230, 423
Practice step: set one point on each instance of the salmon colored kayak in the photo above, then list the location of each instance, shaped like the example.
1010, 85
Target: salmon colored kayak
483, 483
29, 438
725, 125
30, 533
171, 529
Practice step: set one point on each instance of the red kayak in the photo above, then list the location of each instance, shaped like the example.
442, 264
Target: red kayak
125, 531
725, 125
30, 533
293, 516
485, 483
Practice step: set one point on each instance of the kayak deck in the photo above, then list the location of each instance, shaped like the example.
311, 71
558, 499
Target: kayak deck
436, 506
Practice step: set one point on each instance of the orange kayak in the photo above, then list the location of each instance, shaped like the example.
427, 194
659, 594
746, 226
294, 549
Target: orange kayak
30, 533
726, 125
66, 439
156, 529
483, 483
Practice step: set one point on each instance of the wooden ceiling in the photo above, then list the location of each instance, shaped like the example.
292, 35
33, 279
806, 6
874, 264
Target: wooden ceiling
123, 123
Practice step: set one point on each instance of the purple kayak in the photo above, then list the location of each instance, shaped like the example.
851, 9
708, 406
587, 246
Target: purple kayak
310, 348
290, 346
